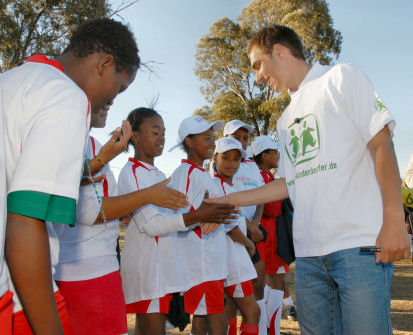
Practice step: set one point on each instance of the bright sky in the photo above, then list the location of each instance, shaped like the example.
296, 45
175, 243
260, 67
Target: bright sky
376, 38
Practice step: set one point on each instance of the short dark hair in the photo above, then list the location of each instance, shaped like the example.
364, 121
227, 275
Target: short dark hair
277, 34
109, 36
258, 158
137, 117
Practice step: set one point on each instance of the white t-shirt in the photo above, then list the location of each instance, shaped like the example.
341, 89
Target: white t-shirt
204, 255
46, 121
409, 174
151, 266
326, 163
88, 250
246, 178
240, 267
3, 200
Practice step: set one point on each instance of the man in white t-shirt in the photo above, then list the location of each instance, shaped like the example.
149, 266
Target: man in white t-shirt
46, 116
338, 166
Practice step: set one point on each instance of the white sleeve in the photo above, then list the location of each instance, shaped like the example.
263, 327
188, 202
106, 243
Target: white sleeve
52, 150
409, 174
87, 207
153, 221
364, 106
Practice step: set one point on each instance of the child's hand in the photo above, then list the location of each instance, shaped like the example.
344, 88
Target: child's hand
117, 143
208, 228
254, 233
250, 248
86, 181
163, 196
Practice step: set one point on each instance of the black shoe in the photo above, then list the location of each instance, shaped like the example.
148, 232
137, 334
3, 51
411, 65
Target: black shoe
291, 313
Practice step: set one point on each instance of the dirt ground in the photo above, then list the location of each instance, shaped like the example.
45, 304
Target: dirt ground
401, 303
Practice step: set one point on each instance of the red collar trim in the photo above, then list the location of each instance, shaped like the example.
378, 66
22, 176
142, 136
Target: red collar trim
248, 161
193, 164
43, 59
137, 163
222, 179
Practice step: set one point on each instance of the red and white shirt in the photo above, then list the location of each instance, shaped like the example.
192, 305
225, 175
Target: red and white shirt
151, 266
204, 255
246, 178
88, 250
240, 267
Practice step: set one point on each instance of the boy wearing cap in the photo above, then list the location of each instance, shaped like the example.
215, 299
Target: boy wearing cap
43, 99
338, 167
203, 256
248, 177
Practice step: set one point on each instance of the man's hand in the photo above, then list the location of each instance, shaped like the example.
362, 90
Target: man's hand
392, 240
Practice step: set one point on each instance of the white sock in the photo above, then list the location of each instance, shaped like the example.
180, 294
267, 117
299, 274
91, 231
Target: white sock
267, 290
274, 310
288, 301
263, 318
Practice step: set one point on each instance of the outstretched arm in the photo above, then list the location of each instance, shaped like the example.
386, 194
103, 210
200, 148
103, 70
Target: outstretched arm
392, 239
275, 190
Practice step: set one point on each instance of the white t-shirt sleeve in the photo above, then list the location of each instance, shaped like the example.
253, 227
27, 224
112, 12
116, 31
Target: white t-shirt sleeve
365, 108
155, 221
52, 148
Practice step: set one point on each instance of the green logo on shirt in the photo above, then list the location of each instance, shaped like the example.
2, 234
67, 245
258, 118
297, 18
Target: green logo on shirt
380, 106
303, 140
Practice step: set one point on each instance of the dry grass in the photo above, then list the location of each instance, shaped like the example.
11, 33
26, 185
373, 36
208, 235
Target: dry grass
401, 304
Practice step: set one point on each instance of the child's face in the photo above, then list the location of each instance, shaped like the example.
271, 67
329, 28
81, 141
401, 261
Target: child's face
203, 144
106, 83
271, 158
242, 135
228, 162
149, 140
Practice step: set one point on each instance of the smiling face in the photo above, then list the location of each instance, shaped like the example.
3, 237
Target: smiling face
270, 68
270, 159
99, 116
149, 140
242, 135
200, 146
227, 163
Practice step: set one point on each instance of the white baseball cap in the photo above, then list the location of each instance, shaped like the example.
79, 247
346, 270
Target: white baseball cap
195, 125
232, 126
262, 143
225, 144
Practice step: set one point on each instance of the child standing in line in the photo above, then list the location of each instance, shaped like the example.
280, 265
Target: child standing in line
248, 177
150, 264
204, 255
46, 112
265, 152
88, 271
241, 271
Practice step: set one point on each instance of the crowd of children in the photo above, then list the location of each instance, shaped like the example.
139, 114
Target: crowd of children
63, 206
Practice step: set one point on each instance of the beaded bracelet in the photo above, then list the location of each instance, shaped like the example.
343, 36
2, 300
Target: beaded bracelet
94, 187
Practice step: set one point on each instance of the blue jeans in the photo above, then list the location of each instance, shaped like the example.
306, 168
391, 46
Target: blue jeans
343, 293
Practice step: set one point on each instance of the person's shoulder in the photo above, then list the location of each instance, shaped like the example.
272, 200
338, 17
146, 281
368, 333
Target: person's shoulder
344, 71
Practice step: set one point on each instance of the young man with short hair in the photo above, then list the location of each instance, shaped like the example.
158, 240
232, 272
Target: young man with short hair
46, 110
338, 166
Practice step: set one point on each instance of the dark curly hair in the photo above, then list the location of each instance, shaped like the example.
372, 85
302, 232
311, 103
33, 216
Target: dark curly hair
109, 36
277, 34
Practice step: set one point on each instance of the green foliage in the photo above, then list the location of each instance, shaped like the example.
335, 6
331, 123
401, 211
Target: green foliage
222, 64
41, 26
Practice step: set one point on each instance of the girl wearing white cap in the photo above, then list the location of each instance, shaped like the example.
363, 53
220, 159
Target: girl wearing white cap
204, 255
248, 177
151, 264
238, 285
265, 152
